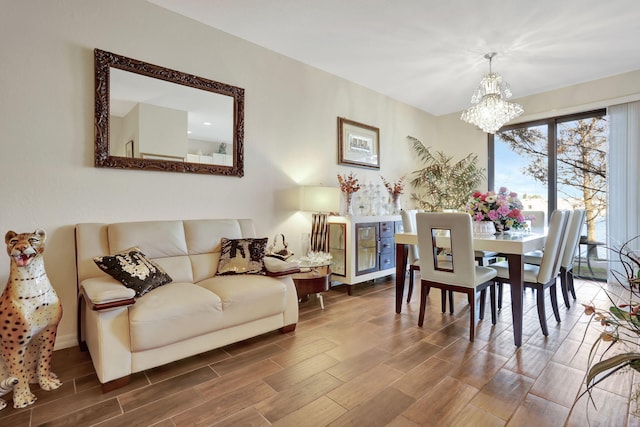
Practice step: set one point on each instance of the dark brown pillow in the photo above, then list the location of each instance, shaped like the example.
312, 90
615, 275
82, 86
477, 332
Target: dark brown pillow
242, 256
134, 270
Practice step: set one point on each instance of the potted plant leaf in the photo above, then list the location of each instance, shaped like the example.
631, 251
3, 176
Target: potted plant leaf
443, 183
616, 349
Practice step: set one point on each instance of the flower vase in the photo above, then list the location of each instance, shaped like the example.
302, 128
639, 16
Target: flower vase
395, 204
484, 227
347, 209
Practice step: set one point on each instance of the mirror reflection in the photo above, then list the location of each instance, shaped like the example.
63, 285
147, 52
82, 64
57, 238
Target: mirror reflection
150, 117
441, 244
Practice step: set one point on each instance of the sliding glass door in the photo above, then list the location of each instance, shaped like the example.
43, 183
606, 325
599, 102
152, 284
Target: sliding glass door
559, 163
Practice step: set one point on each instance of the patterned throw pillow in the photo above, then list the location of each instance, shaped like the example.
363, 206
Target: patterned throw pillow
134, 270
242, 256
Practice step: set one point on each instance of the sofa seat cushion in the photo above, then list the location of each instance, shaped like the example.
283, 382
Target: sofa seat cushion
173, 313
247, 297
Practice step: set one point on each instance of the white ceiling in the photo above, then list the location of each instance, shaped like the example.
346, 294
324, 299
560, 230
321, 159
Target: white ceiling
429, 53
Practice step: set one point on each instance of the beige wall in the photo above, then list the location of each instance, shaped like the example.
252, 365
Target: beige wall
47, 178
46, 120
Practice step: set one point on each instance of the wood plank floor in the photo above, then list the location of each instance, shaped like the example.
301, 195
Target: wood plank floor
357, 363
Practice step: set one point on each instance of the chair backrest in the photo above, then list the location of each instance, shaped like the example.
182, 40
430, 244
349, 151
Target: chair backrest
573, 238
537, 220
459, 242
409, 225
553, 246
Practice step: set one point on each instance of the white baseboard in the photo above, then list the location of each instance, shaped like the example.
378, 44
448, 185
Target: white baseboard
65, 341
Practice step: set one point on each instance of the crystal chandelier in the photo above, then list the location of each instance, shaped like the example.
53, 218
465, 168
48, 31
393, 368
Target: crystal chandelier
490, 110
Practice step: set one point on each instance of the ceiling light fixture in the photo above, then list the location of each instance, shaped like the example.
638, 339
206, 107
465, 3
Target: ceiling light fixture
491, 111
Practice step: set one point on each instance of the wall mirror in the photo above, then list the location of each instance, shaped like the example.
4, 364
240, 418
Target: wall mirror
154, 118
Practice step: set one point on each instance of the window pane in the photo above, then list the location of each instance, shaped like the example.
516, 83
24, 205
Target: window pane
521, 165
581, 184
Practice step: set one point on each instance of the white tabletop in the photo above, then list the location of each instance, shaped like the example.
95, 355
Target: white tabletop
509, 243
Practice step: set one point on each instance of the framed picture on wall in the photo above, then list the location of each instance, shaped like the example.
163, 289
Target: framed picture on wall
358, 144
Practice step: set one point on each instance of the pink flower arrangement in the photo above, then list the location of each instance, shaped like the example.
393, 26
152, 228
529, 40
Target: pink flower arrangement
503, 208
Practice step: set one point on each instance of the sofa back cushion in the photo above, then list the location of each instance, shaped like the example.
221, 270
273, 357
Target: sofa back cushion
162, 241
187, 250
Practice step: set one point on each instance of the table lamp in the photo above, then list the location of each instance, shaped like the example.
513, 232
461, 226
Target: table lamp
322, 201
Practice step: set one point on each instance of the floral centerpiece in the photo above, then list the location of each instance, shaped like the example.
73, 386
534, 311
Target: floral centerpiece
395, 189
503, 208
620, 324
348, 185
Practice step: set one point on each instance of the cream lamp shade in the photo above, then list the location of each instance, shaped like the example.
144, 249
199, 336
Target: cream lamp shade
320, 199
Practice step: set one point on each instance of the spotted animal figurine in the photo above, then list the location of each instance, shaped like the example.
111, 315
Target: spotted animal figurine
6, 385
29, 315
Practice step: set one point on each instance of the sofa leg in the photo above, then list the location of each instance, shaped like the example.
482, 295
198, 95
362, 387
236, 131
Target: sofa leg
287, 329
112, 385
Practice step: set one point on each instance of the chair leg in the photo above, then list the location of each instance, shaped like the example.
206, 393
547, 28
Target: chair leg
554, 302
570, 283
541, 311
564, 287
423, 303
451, 302
483, 295
444, 300
472, 308
500, 295
410, 290
492, 295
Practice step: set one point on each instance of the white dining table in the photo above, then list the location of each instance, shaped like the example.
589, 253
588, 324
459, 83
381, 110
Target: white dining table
512, 246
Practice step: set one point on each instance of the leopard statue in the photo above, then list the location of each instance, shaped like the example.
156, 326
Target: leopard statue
6, 385
29, 315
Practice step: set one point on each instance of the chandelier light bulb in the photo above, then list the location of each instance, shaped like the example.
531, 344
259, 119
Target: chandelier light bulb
490, 110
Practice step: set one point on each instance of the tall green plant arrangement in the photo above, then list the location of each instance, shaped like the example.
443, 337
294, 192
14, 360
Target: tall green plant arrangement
443, 183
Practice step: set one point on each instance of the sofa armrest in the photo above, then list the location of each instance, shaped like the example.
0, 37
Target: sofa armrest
105, 293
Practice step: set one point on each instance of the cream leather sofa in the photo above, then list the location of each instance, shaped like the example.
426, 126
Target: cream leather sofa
198, 311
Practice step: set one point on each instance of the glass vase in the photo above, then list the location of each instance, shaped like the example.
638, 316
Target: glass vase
347, 206
484, 227
396, 207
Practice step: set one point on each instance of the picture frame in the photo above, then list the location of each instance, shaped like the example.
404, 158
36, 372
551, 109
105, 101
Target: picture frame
358, 144
128, 148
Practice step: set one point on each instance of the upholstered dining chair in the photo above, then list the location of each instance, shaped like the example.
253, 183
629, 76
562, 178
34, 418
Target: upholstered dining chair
572, 231
566, 263
537, 220
456, 272
538, 225
543, 276
409, 226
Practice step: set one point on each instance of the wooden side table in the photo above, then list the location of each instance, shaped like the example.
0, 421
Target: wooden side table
314, 281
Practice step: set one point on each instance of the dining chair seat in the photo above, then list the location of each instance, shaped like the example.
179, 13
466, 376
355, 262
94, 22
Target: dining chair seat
543, 276
533, 257
458, 272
